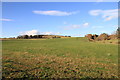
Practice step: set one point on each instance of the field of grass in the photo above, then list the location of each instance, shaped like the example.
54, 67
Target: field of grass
59, 58
114, 41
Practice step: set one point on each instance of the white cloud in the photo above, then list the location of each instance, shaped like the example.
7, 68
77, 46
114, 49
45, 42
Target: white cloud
64, 22
86, 24
50, 33
32, 32
106, 14
75, 26
54, 13
95, 12
99, 0
71, 27
36, 32
6, 19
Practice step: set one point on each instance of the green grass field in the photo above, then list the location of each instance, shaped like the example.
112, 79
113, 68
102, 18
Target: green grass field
59, 58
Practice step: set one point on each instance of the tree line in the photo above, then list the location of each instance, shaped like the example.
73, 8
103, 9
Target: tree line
39, 36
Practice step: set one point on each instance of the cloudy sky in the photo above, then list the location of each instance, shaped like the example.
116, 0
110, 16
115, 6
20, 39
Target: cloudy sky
59, 18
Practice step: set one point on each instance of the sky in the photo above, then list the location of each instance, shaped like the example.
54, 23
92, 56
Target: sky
58, 18
60, 0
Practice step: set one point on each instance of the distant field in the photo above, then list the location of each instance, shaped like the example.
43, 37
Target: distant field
59, 58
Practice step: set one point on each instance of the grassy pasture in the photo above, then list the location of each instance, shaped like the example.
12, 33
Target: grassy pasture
59, 58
